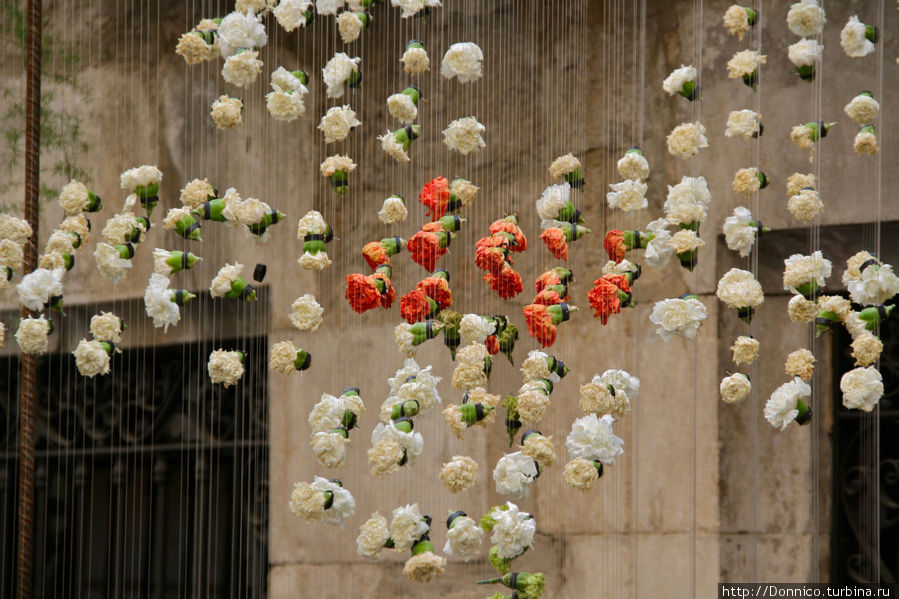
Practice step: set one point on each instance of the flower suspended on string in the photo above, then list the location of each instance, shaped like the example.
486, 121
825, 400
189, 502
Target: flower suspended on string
857, 38
533, 399
687, 139
287, 358
749, 180
745, 123
464, 135
540, 365
555, 203
800, 363
609, 393
785, 405
798, 181
740, 231
337, 169
293, 13
242, 68
412, 8
227, 112
569, 168
92, 357
463, 61
831, 310
735, 388
682, 81
473, 367
740, 290
476, 409
805, 205
350, 24
240, 30
463, 536
745, 65
329, 7
75, 198
557, 235
426, 247
865, 143
863, 109
394, 445
32, 335
74, 224
633, 165
474, 328
168, 263
738, 20
365, 292
397, 143
870, 281
285, 101
200, 44
329, 447
686, 244
323, 501
306, 313
581, 473
687, 202
459, 474
866, 349
415, 58
424, 563
681, 316
315, 233
339, 72
404, 105
113, 262
592, 438
377, 253
513, 533
805, 18
225, 367
862, 388
15, 229
805, 275
610, 293
538, 447
106, 326
40, 287
629, 195
182, 222
513, 475
745, 349
409, 336
393, 210
804, 54
374, 535
407, 526
337, 123
804, 136
229, 283
143, 181
163, 304
543, 320
331, 412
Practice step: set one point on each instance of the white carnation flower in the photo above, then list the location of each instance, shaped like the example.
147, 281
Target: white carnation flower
340, 68
37, 287
402, 107
464, 538
592, 438
875, 285
675, 82
802, 270
853, 39
393, 211
620, 380
464, 135
140, 176
242, 68
805, 52
343, 503
240, 31
739, 289
628, 195
407, 526
227, 112
687, 139
554, 199
32, 335
225, 367
862, 388
337, 122
91, 359
633, 165
292, 13
74, 197
415, 61
474, 328
463, 61
739, 233
411, 8
806, 18
158, 302
782, 407
413, 443
658, 251
306, 313
513, 531
329, 7
745, 123
863, 109
15, 229
688, 201
678, 316
514, 474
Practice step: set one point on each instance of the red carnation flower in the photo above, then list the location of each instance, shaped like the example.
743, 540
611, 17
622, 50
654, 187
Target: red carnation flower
521, 242
548, 297
362, 292
425, 249
615, 246
414, 306
605, 298
435, 196
375, 254
438, 289
491, 259
389, 293
540, 324
507, 283
548, 278
554, 239
492, 344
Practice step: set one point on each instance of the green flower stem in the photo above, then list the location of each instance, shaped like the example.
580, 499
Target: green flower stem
241, 289
211, 210
303, 360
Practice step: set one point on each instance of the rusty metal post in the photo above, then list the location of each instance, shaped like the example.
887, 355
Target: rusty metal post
28, 374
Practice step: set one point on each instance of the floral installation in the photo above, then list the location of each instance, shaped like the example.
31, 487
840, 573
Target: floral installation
800, 363
740, 231
735, 388
459, 474
687, 203
430, 296
407, 526
557, 235
404, 105
463, 61
611, 293
476, 409
749, 180
218, 209
394, 445
567, 168
786, 405
293, 13
687, 139
331, 412
120, 228
868, 319
225, 367
306, 313
350, 24
242, 68
40, 287
287, 358
463, 536
409, 336
745, 123
806, 135
143, 181
374, 535
740, 290
74, 224
227, 112
286, 100
473, 367
32, 335
745, 350
633, 165
432, 241
591, 438
336, 170
341, 71
337, 123
397, 143
393, 210
75, 198
524, 584
182, 222
865, 143
415, 58
805, 205
162, 304
805, 18
681, 316
168, 263
682, 81
365, 292
513, 475
240, 30
229, 283
805, 275
739, 19
412, 8
424, 563
513, 534
493, 255
629, 195
869, 281
804, 54
323, 501
555, 204
315, 233
255, 215
857, 38
441, 196
92, 357
863, 109
464, 135
745, 65
542, 321
377, 253
862, 388
550, 295
200, 44
256, 6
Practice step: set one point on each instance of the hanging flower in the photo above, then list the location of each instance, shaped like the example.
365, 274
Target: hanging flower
581, 474
798, 181
113, 262
427, 247
745, 349
473, 365
738, 19
459, 474
540, 365
538, 447
740, 231
569, 168
610, 293
407, 526
806, 274
51, 261
225, 367
162, 304
633, 165
38, 287
514, 474
393, 210
735, 388
543, 320
323, 501
805, 136
862, 388
409, 336
315, 233
336, 169
556, 236
875, 284
740, 290
293, 13
686, 244
749, 180
555, 203
804, 54
866, 349
472, 412
92, 357
416, 306
785, 405
435, 196
168, 263
200, 44
687, 202
745, 65
863, 109
682, 81
805, 18
424, 563
507, 282
340, 71
330, 447
285, 101
287, 358
800, 363
227, 112
15, 229
179, 220
362, 292
404, 105
350, 24
106, 326
415, 59
306, 313
592, 438
745, 123
474, 328
687, 139
629, 195
832, 309
75, 198
229, 283
463, 536
240, 30
329, 7
533, 399
513, 530
74, 224
32, 335
242, 68
463, 61
464, 135
337, 122
525, 584
374, 535
680, 316
331, 412
658, 251
412, 8
393, 445
805, 205
397, 143
865, 143
857, 38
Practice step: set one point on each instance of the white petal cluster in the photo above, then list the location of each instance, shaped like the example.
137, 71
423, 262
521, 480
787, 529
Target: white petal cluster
15, 229
337, 71
337, 122
592, 438
225, 367
863, 109
327, 413
628, 195
745, 123
469, 372
285, 101
688, 201
227, 112
781, 410
534, 367
407, 526
158, 302
739, 234
241, 30
411, 8
513, 474
633, 165
90, 358
37, 287
73, 197
735, 388
658, 251
463, 61
415, 61
392, 147
292, 13
474, 328
740, 289
329, 7
464, 135
805, 52
553, 200
679, 77
806, 18
140, 176
805, 205
875, 285
32, 335
853, 39
306, 313
402, 108
350, 26
678, 316
862, 388
464, 538
800, 270
242, 68
106, 326
393, 211
687, 139
513, 531
412, 442
373, 535
221, 284
744, 63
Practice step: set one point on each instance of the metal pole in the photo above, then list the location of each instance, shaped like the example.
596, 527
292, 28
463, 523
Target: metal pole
28, 378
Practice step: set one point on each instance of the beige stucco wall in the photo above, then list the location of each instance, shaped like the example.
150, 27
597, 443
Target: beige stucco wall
705, 491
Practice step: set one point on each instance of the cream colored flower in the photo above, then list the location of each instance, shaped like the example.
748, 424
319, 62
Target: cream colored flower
802, 270
51, 261
782, 407
513, 531
739, 289
373, 535
854, 324
194, 49
474, 328
329, 449
744, 63
329, 7
865, 143
658, 252
317, 261
15, 229
863, 109
463, 61
745, 349
11, 256
38, 287
806, 18
464, 135
240, 30
109, 263
415, 61
746, 180
411, 8
390, 446
308, 502
629, 195
196, 193
534, 367
407, 526
735, 388
312, 223
32, 335
329, 412
678, 316
91, 359
854, 39
533, 399
805, 205
835, 304
106, 326
225, 367
685, 240
241, 69
337, 122
75, 224
866, 349
337, 71
283, 357
392, 147
292, 13
736, 21
633, 165
227, 112
674, 83
862, 388
740, 231
74, 198
119, 229
687, 139
350, 26
797, 181
463, 539
564, 165
393, 211
745, 123
580, 474
140, 176
592, 438
854, 265
470, 367
221, 284
875, 285
306, 313
424, 566
459, 474
335, 163
805, 52
158, 302
285, 106
803, 137
540, 449
800, 363
513, 475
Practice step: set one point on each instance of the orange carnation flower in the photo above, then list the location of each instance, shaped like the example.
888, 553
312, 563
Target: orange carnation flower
605, 298
375, 254
506, 283
540, 324
414, 306
492, 344
521, 242
615, 246
491, 259
362, 292
438, 289
425, 249
548, 297
554, 239
389, 293
435, 195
